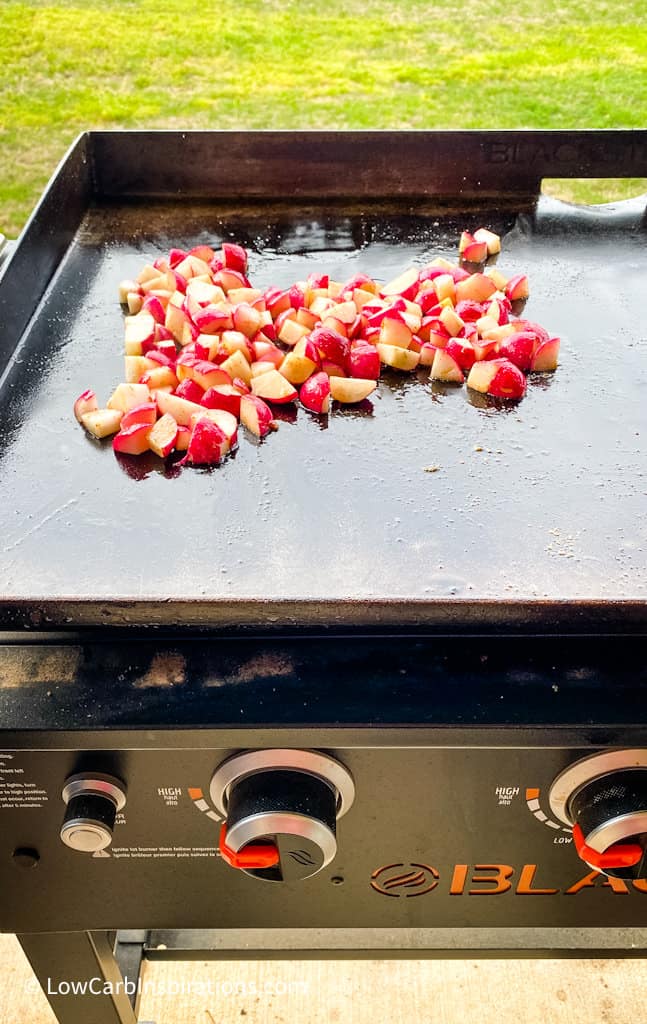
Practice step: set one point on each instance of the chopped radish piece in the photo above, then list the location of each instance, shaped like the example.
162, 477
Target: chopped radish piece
398, 358
273, 387
296, 369
133, 440
256, 415
234, 257
363, 361
475, 252
163, 436
497, 377
492, 241
405, 285
517, 288
208, 445
237, 366
394, 330
445, 367
224, 396
102, 422
351, 389
315, 393
546, 356
183, 438
477, 287
180, 409
127, 396
519, 348
188, 389
224, 420
146, 413
86, 402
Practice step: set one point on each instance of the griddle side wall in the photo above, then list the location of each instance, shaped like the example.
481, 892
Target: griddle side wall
42, 245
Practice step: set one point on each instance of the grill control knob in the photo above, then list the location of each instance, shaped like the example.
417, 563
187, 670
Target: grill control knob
604, 798
281, 808
93, 800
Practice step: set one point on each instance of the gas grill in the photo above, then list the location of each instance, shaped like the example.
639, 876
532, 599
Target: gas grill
320, 701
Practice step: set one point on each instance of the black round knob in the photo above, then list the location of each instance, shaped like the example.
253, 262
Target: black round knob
293, 811
604, 798
92, 803
281, 807
611, 811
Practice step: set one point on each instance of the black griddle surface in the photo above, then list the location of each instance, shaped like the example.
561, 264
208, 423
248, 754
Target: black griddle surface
533, 507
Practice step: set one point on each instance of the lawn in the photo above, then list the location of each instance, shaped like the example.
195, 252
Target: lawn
69, 66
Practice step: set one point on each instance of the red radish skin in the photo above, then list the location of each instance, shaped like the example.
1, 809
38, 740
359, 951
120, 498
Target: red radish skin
469, 311
330, 345
211, 320
190, 390
86, 402
541, 334
146, 413
153, 306
462, 352
175, 257
363, 361
241, 386
509, 382
225, 396
234, 257
160, 357
315, 393
133, 441
519, 348
208, 444
475, 252
517, 288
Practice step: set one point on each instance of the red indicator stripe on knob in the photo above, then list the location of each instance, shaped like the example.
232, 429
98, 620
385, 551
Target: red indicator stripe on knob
620, 855
250, 857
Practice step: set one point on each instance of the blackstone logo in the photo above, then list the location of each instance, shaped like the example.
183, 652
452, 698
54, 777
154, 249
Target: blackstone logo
415, 879
404, 879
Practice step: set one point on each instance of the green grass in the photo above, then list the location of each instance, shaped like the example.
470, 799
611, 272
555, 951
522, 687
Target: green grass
67, 66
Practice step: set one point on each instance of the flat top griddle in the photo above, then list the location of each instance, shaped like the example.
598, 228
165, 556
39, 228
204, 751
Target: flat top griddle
533, 517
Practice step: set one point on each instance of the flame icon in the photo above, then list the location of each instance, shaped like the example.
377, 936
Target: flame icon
415, 880
302, 857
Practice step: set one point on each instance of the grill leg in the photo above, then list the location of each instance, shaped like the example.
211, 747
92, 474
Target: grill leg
66, 961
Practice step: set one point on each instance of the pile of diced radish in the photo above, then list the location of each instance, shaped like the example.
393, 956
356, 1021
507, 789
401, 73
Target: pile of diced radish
206, 351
